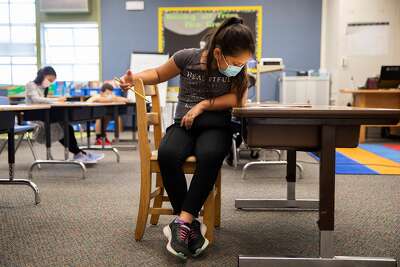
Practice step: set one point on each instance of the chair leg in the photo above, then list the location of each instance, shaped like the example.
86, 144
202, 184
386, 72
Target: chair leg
234, 152
209, 216
218, 201
19, 141
143, 213
3, 145
158, 200
30, 144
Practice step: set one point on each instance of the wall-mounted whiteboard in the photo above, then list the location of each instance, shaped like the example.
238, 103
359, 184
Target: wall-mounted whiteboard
143, 60
368, 39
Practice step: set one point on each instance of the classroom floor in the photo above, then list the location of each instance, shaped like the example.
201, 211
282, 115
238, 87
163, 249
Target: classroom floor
91, 222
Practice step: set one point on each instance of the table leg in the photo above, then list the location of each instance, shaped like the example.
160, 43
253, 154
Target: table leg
88, 133
363, 134
290, 203
291, 174
48, 134
360, 100
116, 121
11, 162
103, 132
327, 192
66, 134
11, 153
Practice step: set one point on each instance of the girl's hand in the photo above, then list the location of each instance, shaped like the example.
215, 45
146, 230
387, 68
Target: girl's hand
187, 120
127, 80
61, 99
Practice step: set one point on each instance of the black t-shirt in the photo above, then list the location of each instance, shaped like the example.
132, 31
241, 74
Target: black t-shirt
193, 87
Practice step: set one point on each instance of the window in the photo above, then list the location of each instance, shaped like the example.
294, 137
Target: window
18, 63
73, 50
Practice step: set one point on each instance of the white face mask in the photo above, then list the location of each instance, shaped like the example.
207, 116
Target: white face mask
46, 83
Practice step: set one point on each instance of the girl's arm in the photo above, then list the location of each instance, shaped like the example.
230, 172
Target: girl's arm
157, 75
120, 99
223, 102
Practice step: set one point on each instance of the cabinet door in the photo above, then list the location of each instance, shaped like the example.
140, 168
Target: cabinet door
293, 91
318, 92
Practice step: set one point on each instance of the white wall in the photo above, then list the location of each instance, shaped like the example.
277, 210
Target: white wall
336, 15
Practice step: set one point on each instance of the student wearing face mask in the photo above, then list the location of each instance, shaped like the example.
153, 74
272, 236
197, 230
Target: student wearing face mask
36, 93
106, 96
212, 81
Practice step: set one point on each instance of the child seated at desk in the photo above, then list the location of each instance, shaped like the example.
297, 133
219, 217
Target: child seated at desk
106, 96
36, 93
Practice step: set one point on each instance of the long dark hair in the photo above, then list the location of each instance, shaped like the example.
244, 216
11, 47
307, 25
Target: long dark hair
232, 37
42, 73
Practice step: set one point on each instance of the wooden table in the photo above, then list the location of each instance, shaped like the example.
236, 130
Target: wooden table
7, 121
313, 128
373, 98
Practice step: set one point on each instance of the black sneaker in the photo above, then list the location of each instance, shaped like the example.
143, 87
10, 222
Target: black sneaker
177, 234
197, 241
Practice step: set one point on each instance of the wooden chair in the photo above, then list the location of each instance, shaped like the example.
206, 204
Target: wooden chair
148, 165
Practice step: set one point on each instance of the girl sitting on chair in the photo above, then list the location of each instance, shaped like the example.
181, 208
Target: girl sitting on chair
36, 93
212, 81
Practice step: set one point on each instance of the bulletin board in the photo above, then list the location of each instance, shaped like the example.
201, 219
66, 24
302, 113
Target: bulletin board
183, 27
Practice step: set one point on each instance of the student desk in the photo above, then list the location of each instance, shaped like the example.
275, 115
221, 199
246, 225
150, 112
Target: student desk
373, 98
313, 128
7, 121
65, 113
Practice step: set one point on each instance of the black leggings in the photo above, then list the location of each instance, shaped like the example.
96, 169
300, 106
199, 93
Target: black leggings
210, 146
73, 144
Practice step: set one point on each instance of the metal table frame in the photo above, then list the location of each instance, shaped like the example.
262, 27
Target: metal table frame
49, 117
325, 206
49, 158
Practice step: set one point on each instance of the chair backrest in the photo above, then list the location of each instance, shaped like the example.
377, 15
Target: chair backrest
145, 119
4, 100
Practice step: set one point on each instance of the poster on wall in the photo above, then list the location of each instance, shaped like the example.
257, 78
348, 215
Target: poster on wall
184, 27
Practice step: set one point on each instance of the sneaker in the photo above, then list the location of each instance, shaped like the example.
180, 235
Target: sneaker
177, 233
108, 143
99, 142
84, 158
197, 241
94, 156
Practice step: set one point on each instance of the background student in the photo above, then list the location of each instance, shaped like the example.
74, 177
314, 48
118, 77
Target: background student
106, 96
36, 93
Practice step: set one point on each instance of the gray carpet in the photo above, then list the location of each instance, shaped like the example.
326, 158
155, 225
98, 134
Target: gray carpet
91, 222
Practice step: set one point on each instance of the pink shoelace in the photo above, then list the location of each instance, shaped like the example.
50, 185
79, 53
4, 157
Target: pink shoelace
184, 232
